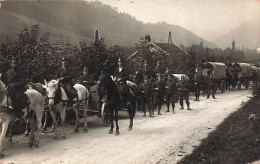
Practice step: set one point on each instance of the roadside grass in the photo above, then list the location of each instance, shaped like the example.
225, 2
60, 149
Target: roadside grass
236, 140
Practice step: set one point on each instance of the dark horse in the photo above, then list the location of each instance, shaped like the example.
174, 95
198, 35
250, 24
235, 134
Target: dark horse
109, 93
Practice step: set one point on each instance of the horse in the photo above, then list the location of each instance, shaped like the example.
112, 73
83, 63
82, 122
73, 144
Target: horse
109, 92
58, 103
8, 116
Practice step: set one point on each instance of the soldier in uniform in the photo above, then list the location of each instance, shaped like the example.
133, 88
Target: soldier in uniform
139, 79
211, 86
66, 81
16, 89
121, 76
197, 84
158, 91
171, 90
86, 79
183, 88
145, 92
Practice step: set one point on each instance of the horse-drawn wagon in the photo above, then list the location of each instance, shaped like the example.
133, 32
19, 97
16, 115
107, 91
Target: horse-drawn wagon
245, 74
178, 76
218, 71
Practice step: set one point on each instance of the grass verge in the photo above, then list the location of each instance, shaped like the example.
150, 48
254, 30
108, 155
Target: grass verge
236, 140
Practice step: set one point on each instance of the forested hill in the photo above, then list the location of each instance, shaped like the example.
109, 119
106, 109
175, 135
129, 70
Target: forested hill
76, 21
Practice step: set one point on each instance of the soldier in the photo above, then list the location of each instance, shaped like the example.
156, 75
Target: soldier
171, 90
16, 89
66, 81
211, 86
121, 76
183, 88
86, 79
145, 92
158, 91
139, 79
197, 85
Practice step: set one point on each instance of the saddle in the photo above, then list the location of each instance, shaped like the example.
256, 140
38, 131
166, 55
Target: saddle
19, 99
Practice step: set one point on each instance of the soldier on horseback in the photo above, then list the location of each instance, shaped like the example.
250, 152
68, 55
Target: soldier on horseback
121, 76
66, 81
16, 88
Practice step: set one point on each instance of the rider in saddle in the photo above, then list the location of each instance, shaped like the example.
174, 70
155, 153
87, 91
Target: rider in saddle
16, 88
121, 76
86, 79
66, 81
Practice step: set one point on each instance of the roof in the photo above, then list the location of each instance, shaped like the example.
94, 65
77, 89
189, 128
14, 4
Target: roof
170, 48
166, 48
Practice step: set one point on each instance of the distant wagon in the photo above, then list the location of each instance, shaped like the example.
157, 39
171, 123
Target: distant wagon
245, 74
218, 70
178, 76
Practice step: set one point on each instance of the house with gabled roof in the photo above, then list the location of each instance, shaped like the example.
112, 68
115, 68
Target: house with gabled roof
159, 56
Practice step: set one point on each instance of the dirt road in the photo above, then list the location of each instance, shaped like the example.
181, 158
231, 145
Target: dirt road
162, 139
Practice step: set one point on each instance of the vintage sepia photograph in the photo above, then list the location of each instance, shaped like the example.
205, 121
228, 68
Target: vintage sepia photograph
129, 81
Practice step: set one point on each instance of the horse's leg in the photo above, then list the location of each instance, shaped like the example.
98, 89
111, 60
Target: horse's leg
2, 137
62, 117
54, 124
39, 125
111, 113
10, 135
33, 126
116, 120
76, 128
45, 121
27, 128
131, 114
85, 106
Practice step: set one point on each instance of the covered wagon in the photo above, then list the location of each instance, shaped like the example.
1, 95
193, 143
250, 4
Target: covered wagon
218, 71
245, 74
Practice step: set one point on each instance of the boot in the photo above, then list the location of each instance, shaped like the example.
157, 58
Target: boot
181, 108
144, 115
188, 108
167, 109
159, 112
173, 111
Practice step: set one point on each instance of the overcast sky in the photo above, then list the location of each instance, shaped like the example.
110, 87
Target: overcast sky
207, 18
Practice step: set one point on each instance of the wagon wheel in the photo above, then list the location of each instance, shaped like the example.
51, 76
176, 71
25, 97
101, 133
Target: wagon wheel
246, 84
105, 115
239, 85
223, 86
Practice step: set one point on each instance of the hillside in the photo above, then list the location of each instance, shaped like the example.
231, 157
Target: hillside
76, 21
246, 35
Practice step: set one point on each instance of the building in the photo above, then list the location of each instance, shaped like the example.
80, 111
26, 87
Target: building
158, 56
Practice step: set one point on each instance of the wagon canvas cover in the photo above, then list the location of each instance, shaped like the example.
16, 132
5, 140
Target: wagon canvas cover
218, 70
246, 70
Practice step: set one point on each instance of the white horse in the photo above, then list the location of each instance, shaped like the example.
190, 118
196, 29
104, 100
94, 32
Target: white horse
7, 115
58, 103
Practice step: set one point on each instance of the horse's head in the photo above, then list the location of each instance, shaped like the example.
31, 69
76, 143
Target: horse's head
52, 88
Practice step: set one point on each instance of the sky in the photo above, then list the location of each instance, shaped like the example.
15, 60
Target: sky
208, 19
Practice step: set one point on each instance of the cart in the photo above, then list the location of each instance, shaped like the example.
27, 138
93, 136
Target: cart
219, 74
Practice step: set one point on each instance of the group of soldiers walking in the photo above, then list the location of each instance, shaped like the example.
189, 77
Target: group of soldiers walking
165, 88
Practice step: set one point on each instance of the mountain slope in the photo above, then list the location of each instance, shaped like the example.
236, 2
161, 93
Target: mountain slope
246, 35
77, 20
